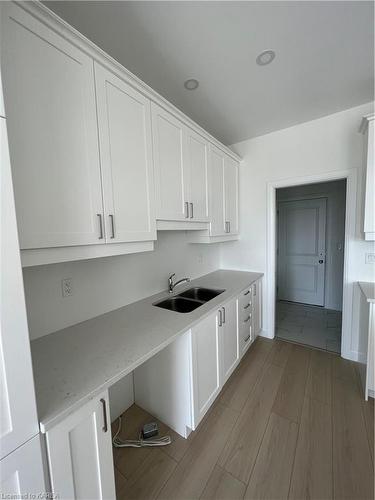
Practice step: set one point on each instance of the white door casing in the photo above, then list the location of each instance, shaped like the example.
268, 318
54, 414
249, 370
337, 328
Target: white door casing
53, 142
302, 250
124, 118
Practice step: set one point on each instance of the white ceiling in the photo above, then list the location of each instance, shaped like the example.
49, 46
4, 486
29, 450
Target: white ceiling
324, 56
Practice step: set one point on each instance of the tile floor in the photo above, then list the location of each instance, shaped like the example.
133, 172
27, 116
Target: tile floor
309, 325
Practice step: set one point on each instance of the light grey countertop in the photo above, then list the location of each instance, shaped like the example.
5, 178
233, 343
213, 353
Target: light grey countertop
75, 364
368, 290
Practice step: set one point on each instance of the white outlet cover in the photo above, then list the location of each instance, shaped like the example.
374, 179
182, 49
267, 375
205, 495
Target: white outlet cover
370, 258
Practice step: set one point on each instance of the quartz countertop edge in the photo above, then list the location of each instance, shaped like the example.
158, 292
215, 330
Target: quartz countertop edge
368, 290
73, 365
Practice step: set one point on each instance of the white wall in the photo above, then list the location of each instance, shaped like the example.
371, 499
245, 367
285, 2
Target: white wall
335, 232
329, 144
101, 285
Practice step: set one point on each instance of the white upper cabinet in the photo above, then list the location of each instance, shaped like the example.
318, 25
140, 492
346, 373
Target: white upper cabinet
50, 100
368, 126
124, 118
197, 151
231, 195
216, 183
171, 177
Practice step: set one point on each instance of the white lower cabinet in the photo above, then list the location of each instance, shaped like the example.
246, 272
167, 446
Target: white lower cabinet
179, 384
80, 453
21, 472
205, 339
229, 341
249, 313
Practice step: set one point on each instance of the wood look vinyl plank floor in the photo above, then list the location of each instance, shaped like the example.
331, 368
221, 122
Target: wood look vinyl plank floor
291, 422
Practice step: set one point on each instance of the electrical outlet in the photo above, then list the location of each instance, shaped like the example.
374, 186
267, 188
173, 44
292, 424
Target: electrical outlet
67, 287
370, 258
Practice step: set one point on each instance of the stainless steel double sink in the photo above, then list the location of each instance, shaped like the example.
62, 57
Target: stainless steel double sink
189, 300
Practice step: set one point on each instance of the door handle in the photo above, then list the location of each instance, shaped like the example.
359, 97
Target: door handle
247, 319
247, 338
223, 308
105, 421
112, 226
192, 211
186, 210
100, 226
220, 318
321, 261
248, 305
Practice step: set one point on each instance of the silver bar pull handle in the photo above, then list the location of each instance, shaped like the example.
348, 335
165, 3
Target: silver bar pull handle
191, 210
100, 226
247, 319
112, 226
223, 308
105, 421
220, 318
248, 305
247, 293
186, 210
247, 338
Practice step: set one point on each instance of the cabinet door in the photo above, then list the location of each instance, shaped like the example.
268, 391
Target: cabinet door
197, 149
369, 212
21, 472
124, 118
205, 366
49, 96
245, 320
18, 420
228, 340
171, 178
231, 194
256, 292
80, 453
216, 183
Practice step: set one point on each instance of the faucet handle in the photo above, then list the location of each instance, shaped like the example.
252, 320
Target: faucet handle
171, 276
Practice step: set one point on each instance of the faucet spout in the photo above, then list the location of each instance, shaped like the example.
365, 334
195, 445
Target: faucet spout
172, 284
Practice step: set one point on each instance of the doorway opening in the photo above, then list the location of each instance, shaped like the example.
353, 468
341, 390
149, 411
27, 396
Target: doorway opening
310, 236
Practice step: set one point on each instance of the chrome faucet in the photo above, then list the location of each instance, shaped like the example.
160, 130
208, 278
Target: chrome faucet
172, 286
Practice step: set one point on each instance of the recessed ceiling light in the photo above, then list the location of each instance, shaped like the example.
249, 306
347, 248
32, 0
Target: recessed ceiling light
191, 84
265, 57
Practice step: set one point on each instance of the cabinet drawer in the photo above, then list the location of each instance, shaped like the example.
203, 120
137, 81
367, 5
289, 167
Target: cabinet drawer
245, 297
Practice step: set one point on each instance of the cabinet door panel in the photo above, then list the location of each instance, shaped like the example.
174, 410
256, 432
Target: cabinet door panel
50, 101
198, 167
231, 194
18, 416
80, 453
206, 365
256, 291
216, 182
21, 472
229, 340
124, 117
171, 179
